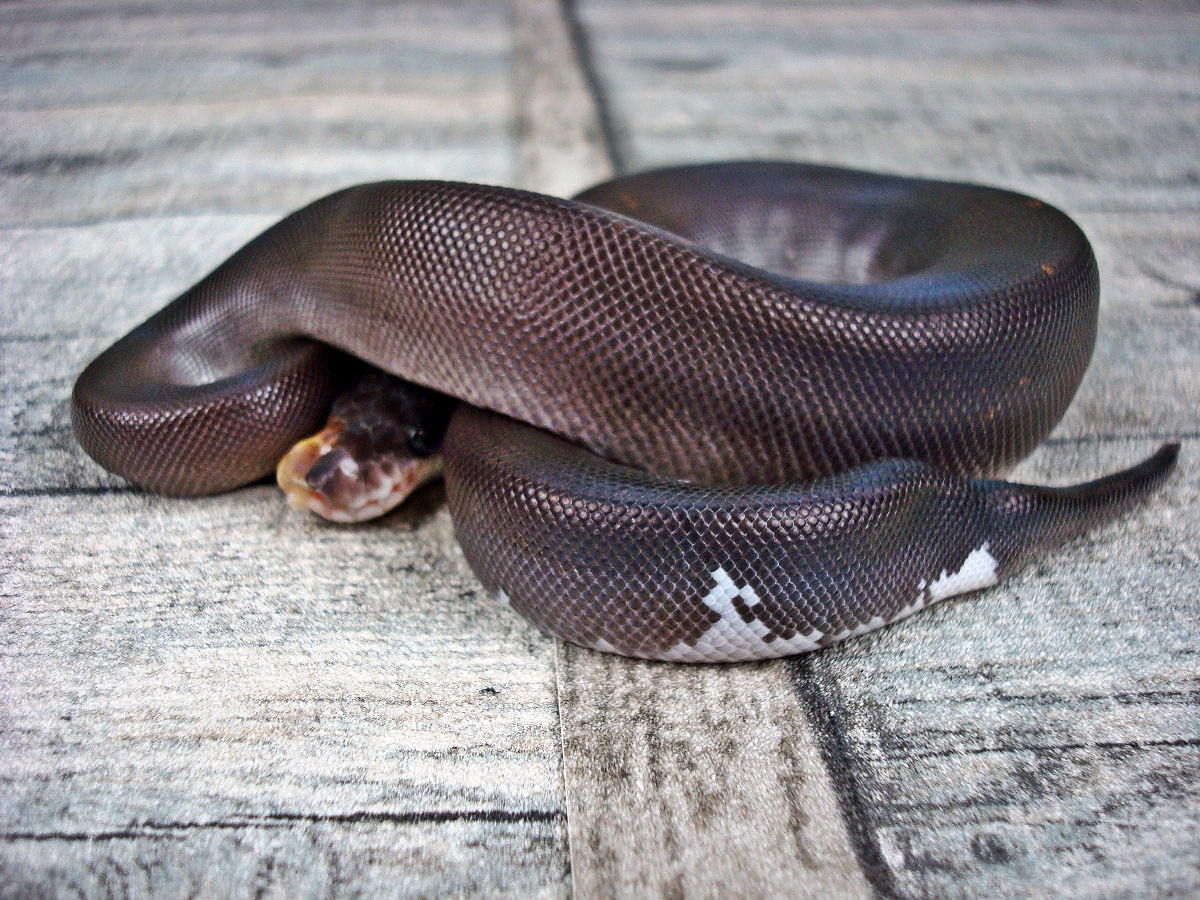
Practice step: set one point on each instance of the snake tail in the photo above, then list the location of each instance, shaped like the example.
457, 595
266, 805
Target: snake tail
1034, 520
576, 543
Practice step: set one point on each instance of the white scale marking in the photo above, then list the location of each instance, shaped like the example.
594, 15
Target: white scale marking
731, 639
978, 571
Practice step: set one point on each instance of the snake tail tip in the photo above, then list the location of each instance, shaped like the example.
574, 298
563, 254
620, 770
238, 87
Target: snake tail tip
1035, 519
1130, 484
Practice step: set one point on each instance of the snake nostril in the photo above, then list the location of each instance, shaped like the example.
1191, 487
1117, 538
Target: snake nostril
332, 473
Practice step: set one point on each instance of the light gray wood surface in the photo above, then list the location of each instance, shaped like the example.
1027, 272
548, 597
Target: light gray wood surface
562, 145
1041, 739
225, 697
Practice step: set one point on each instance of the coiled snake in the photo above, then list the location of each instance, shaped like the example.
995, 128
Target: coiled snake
711, 413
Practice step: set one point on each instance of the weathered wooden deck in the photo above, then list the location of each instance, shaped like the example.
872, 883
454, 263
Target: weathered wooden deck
223, 697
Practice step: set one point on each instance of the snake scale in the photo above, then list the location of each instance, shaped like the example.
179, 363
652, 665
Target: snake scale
711, 413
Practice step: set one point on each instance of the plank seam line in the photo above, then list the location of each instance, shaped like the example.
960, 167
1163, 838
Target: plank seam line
98, 490
178, 215
1054, 748
48, 337
1083, 440
835, 754
282, 820
1166, 279
1125, 698
559, 650
587, 68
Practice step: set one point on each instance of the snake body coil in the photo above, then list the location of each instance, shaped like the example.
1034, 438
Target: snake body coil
762, 392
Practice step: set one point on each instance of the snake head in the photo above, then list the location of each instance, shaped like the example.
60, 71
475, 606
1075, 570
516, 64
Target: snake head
381, 443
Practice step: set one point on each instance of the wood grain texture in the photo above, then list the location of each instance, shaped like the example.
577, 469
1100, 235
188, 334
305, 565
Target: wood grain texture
561, 140
220, 697
357, 692
111, 111
1086, 106
1043, 737
697, 781
223, 697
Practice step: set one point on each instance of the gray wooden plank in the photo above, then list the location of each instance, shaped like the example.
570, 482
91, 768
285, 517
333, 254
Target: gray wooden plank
1144, 378
697, 781
256, 156
316, 859
372, 629
80, 55
117, 112
561, 146
1041, 737
223, 696
226, 666
1089, 108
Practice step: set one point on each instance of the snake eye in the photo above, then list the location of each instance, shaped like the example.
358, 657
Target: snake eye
420, 442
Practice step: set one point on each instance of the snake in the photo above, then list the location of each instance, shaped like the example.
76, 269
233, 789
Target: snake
707, 413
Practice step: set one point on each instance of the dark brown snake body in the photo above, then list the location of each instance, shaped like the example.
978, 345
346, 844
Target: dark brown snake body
764, 393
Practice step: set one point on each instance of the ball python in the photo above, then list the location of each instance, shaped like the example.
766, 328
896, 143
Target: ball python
708, 413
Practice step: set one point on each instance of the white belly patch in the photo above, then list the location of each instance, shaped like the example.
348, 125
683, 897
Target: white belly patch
732, 639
